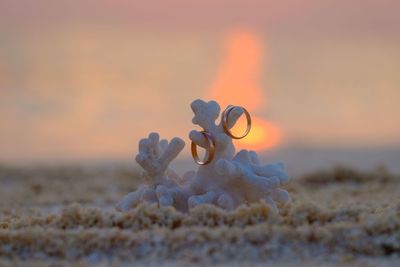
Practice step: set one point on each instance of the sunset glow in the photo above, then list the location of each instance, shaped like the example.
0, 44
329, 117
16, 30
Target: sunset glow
263, 135
238, 82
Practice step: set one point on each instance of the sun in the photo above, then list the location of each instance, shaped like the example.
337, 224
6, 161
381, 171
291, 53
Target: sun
238, 82
263, 135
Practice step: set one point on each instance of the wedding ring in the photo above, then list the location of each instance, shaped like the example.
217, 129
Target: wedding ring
210, 151
225, 118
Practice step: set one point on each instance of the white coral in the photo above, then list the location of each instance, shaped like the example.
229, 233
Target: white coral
228, 181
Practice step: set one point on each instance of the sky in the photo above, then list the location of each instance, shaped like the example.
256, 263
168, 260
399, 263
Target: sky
85, 80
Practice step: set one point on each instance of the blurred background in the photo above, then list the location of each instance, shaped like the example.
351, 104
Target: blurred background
83, 81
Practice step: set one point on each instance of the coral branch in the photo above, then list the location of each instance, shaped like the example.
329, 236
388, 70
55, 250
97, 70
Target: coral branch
154, 157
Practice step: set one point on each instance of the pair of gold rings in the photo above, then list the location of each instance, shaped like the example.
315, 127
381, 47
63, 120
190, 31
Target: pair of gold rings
210, 150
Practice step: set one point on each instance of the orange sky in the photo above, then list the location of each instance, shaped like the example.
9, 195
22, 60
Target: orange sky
88, 82
289, 16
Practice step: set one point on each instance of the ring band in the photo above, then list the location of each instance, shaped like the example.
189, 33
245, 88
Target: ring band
225, 117
210, 152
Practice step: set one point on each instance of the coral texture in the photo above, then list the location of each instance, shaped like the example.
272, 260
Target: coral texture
228, 181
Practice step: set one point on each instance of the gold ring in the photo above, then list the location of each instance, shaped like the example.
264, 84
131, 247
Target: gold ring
210, 152
225, 117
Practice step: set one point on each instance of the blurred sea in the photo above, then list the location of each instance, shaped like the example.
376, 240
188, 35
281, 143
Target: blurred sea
302, 160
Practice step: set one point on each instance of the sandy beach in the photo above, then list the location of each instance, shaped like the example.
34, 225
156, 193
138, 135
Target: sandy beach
65, 216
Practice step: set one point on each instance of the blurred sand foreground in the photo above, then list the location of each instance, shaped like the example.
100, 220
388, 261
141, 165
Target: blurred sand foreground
64, 216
